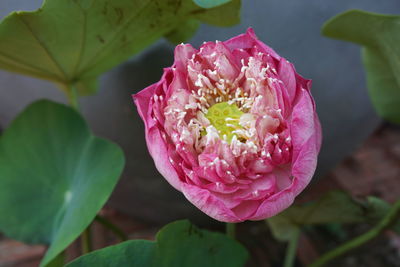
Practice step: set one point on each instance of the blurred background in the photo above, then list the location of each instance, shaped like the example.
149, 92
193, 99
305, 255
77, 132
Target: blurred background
360, 153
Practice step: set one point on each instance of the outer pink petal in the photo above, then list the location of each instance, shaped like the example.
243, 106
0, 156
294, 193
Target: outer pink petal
209, 204
304, 167
275, 204
155, 143
249, 40
142, 102
302, 170
318, 134
159, 152
286, 73
246, 209
306, 140
305, 123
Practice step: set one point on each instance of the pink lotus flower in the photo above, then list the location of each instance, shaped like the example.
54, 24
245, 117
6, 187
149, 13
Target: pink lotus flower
233, 127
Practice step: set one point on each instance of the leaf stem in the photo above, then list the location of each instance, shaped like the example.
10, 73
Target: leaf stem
231, 230
390, 218
291, 250
112, 227
86, 241
72, 95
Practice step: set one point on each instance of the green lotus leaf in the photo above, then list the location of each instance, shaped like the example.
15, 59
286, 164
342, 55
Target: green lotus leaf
380, 37
71, 42
54, 176
178, 244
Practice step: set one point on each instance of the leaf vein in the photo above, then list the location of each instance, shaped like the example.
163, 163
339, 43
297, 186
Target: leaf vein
45, 48
92, 61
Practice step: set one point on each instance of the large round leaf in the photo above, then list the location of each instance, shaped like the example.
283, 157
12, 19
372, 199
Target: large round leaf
178, 244
380, 37
54, 176
72, 42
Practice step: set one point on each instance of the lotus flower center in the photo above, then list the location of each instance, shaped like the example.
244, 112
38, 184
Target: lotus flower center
225, 118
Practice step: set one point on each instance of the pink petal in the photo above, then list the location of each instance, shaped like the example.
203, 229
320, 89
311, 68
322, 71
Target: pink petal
249, 40
219, 55
183, 53
209, 204
303, 124
275, 204
158, 150
142, 101
155, 143
287, 75
304, 167
246, 209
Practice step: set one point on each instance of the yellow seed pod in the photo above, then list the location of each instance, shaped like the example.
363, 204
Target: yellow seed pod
225, 118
